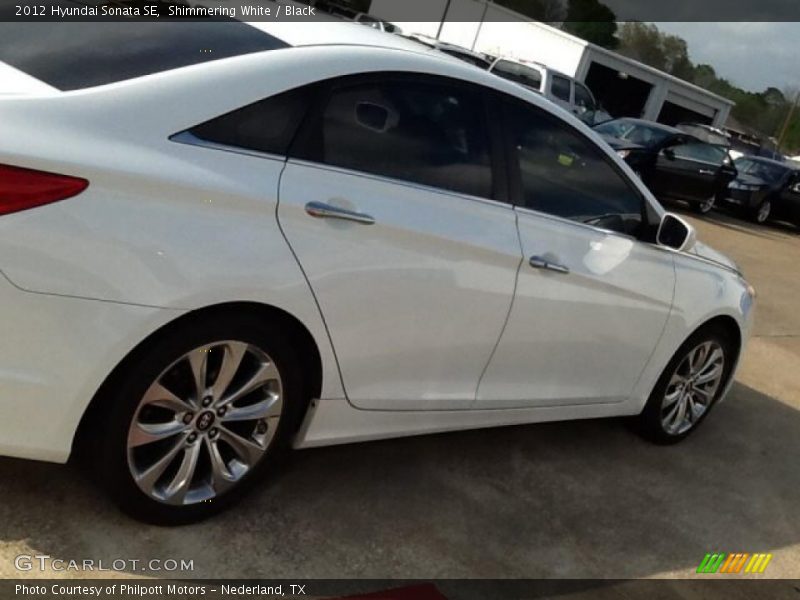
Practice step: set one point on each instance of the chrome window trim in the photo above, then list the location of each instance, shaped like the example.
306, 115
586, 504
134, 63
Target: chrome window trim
535, 213
190, 139
401, 182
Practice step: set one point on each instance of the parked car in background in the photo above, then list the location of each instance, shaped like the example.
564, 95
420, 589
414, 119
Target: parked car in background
376, 23
473, 58
763, 189
671, 162
557, 87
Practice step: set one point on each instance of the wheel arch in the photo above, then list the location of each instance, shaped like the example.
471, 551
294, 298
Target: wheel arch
309, 353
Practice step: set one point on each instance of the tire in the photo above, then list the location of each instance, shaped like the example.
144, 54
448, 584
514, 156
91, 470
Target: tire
654, 423
704, 207
136, 411
761, 213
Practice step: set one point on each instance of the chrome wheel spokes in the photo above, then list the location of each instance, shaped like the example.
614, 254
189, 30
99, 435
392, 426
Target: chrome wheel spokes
205, 422
692, 387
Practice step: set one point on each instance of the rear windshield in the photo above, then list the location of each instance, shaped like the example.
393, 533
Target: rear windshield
71, 56
518, 74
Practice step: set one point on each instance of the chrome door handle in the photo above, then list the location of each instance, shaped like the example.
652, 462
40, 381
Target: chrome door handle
706, 172
537, 262
322, 210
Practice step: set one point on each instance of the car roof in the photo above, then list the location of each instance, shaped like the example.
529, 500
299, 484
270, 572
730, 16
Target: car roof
647, 123
335, 32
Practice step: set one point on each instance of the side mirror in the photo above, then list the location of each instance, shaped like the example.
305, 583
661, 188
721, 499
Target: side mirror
676, 233
669, 153
796, 188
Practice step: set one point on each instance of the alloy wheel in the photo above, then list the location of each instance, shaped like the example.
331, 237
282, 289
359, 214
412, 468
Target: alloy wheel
205, 422
763, 211
692, 387
706, 205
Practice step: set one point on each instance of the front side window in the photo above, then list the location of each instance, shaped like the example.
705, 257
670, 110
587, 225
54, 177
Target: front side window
560, 88
427, 133
583, 98
564, 174
701, 151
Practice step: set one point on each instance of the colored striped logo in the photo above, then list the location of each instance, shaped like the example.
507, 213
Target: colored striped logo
740, 562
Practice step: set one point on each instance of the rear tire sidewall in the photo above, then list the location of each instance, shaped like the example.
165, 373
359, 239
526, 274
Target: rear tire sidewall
111, 455
649, 421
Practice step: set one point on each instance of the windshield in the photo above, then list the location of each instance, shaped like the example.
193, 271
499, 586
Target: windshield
634, 132
762, 170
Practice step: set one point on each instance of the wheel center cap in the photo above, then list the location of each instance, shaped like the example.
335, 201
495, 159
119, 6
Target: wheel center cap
204, 421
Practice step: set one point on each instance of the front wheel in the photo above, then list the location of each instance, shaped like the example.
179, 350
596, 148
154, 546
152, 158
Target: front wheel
705, 206
689, 386
195, 420
762, 212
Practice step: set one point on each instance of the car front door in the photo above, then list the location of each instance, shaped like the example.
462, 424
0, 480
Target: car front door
592, 299
392, 207
689, 170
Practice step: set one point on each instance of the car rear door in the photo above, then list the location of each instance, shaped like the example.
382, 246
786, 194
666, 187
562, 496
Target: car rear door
391, 203
592, 299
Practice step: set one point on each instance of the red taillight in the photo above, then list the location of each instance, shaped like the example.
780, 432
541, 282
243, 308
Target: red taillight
21, 189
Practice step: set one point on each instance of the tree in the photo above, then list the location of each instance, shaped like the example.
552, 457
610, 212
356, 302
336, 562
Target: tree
540, 10
592, 21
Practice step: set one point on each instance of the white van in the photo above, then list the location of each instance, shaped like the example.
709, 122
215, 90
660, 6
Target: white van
562, 89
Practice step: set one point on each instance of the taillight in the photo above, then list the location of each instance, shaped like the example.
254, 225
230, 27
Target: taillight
21, 189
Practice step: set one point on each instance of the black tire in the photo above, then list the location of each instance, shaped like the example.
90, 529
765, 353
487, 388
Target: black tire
109, 453
649, 423
703, 208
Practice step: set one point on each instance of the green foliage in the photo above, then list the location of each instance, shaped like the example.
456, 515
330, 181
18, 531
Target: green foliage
763, 111
592, 21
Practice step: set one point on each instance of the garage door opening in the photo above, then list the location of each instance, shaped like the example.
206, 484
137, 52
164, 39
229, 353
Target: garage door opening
672, 114
619, 94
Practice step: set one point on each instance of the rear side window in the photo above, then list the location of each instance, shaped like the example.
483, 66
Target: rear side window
560, 88
71, 56
266, 126
427, 133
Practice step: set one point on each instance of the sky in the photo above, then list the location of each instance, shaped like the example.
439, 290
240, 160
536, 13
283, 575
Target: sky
752, 55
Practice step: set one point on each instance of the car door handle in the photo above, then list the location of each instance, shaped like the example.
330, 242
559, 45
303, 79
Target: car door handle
706, 172
322, 210
537, 262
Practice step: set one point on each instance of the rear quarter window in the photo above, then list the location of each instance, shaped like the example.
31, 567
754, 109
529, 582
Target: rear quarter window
71, 56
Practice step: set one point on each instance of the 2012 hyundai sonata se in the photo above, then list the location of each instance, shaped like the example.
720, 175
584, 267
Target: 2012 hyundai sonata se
315, 235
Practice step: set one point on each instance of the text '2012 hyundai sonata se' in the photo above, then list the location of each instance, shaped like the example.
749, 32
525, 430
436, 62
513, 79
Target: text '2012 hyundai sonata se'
321, 234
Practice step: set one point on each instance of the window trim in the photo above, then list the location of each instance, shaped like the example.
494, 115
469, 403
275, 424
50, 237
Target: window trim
515, 173
299, 149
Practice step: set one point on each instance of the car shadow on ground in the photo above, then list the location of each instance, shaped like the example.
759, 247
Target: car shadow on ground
580, 499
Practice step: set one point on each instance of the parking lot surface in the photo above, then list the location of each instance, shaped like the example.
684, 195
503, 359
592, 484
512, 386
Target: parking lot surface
581, 499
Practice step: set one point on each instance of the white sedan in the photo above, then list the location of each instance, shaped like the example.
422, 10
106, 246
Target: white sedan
220, 240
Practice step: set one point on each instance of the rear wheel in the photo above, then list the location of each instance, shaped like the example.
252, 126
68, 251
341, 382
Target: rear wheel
689, 386
192, 424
